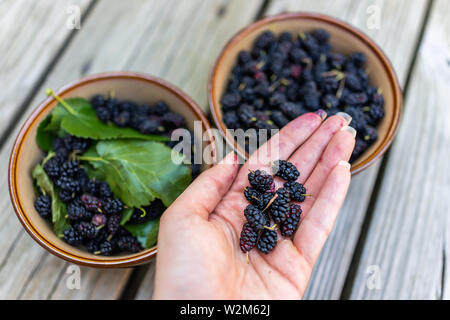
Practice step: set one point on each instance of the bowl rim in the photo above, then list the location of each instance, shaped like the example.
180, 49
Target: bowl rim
394, 83
131, 260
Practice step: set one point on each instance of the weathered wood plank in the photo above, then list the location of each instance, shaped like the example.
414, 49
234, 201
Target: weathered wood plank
176, 40
398, 20
408, 238
145, 291
31, 33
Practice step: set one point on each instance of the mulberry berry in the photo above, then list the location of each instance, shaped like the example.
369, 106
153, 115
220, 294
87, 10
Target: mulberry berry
113, 206
76, 144
77, 212
292, 110
356, 99
297, 191
160, 108
105, 249
376, 113
97, 101
230, 101
278, 210
86, 229
264, 40
231, 120
66, 196
173, 120
128, 243
43, 206
285, 170
68, 184
248, 238
113, 224
370, 135
104, 191
93, 187
279, 119
257, 219
321, 35
70, 168
149, 126
261, 180
99, 219
122, 119
52, 168
267, 241
103, 114
72, 237
358, 59
91, 203
360, 147
252, 195
93, 246
290, 225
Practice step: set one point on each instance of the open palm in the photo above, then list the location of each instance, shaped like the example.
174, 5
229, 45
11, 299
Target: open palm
199, 255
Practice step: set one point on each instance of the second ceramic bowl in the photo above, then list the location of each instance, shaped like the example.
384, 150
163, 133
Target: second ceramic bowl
344, 39
25, 154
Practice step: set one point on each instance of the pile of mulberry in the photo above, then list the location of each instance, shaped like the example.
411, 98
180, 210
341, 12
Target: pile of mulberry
94, 213
267, 204
284, 76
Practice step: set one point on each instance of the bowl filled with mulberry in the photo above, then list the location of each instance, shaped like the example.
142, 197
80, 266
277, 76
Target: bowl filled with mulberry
97, 163
283, 66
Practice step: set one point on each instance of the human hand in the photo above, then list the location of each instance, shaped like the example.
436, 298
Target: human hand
198, 245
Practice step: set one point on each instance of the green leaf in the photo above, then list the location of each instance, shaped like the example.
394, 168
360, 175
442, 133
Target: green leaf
126, 216
59, 210
146, 233
140, 171
82, 121
43, 137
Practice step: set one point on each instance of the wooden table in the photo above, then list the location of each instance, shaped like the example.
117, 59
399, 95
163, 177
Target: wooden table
392, 237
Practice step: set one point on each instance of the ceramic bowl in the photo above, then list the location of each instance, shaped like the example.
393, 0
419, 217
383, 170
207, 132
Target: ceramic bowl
25, 154
344, 39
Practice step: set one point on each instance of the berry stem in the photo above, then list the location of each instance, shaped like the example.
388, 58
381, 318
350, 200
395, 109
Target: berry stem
48, 157
84, 158
144, 212
50, 92
246, 258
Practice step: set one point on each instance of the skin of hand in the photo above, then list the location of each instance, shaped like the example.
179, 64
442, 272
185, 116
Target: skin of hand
198, 245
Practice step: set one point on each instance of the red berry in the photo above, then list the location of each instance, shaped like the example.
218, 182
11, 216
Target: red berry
248, 238
290, 225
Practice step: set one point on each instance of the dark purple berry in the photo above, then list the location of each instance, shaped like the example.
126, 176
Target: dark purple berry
257, 219
267, 241
43, 206
285, 170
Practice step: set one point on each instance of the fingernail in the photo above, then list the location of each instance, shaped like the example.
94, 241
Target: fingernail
344, 164
349, 129
346, 116
321, 113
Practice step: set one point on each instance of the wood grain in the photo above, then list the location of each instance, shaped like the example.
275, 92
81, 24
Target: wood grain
398, 20
175, 40
31, 33
408, 239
